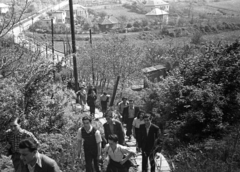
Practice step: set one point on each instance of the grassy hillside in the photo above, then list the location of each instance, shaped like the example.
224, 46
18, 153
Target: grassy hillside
120, 11
231, 5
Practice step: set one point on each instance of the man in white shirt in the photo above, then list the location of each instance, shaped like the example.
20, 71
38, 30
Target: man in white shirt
118, 155
91, 140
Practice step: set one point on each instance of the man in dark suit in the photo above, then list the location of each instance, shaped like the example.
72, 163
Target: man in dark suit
148, 135
129, 113
33, 160
113, 126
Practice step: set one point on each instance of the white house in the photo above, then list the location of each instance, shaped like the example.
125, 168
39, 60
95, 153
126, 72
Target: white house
3, 8
78, 10
59, 15
152, 4
158, 14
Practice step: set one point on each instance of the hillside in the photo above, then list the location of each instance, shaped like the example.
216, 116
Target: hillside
231, 5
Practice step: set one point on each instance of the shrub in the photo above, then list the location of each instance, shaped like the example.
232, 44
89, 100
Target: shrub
136, 24
129, 25
146, 28
196, 38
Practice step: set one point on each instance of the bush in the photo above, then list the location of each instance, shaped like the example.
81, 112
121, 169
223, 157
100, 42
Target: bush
146, 28
136, 24
196, 38
129, 25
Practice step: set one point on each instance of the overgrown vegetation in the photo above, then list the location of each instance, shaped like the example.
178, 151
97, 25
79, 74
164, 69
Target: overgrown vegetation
198, 100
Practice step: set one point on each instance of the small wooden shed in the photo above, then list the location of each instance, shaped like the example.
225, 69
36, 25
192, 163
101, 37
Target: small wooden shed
154, 73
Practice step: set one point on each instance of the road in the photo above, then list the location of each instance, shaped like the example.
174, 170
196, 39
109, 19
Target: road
19, 37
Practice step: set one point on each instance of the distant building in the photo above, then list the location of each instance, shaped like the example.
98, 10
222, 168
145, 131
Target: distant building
152, 4
48, 20
78, 11
108, 23
59, 15
3, 8
155, 73
158, 14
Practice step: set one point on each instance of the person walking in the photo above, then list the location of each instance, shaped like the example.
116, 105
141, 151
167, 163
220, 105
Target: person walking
92, 88
121, 105
104, 99
33, 160
82, 96
113, 126
136, 125
149, 134
14, 136
129, 113
91, 140
91, 101
158, 119
118, 155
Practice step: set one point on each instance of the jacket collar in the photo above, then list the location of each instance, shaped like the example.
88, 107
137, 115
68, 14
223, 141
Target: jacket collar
38, 163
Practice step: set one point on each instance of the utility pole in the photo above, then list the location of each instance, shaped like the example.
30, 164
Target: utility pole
53, 48
93, 75
114, 91
73, 46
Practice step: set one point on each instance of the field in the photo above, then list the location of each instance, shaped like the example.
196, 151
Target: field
231, 5
167, 42
121, 11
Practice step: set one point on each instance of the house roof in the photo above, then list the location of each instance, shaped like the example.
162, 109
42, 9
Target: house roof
156, 3
108, 20
156, 12
2, 5
152, 68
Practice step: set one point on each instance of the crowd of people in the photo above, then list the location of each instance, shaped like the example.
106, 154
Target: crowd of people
93, 144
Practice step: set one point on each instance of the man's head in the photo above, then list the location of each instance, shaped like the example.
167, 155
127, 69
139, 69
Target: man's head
15, 124
112, 139
147, 119
131, 102
86, 120
140, 114
124, 99
104, 93
109, 116
28, 149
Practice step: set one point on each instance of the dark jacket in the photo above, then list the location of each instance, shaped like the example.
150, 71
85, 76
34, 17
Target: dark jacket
118, 130
91, 100
48, 165
126, 113
147, 141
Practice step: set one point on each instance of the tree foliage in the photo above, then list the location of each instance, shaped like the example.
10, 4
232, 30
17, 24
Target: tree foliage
201, 96
113, 56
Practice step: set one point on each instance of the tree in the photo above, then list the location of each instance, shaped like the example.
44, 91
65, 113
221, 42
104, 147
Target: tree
113, 56
13, 17
200, 98
136, 24
102, 14
32, 8
123, 20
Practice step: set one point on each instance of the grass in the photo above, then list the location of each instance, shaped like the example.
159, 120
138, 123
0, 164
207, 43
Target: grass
231, 5
121, 11
173, 42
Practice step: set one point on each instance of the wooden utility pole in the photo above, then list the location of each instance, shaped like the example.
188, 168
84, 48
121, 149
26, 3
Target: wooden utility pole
114, 91
93, 75
53, 47
73, 46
